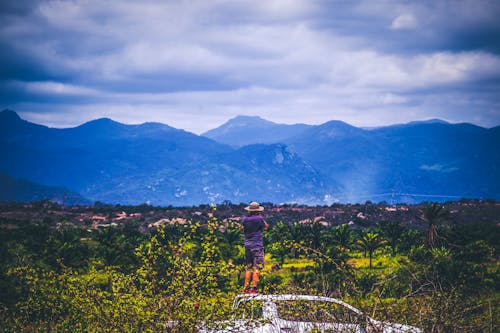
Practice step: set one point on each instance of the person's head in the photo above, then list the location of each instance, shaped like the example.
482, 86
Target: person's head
254, 208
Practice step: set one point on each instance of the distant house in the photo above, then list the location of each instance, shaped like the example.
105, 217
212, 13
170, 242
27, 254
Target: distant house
98, 218
105, 225
179, 220
361, 216
173, 221
120, 216
158, 223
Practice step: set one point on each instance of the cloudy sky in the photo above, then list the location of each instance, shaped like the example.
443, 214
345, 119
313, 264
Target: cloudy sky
195, 64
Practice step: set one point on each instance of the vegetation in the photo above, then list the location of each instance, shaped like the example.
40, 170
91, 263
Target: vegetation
433, 213
62, 277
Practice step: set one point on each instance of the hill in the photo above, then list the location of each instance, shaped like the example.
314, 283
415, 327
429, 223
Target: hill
17, 190
431, 161
149, 163
428, 160
107, 161
245, 130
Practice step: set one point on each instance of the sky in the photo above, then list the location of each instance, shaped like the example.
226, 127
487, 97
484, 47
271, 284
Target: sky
196, 64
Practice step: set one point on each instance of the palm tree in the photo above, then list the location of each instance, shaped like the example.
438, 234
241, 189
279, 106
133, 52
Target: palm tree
279, 237
393, 231
297, 234
370, 242
342, 236
433, 213
315, 233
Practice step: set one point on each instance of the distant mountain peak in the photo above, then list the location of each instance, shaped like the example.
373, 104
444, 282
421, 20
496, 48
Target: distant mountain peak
11, 122
337, 123
236, 123
158, 126
243, 130
246, 117
335, 128
244, 121
101, 123
428, 121
7, 115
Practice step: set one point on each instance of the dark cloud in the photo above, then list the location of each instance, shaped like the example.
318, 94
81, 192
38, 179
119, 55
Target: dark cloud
299, 61
18, 7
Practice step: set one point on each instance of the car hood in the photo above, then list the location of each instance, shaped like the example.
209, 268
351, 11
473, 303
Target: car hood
388, 327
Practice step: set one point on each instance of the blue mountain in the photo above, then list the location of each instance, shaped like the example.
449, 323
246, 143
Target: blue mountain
245, 130
131, 164
18, 190
428, 160
422, 161
107, 161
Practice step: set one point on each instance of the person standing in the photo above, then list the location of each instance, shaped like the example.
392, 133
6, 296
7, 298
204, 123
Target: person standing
253, 225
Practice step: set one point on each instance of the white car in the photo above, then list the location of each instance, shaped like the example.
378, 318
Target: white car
298, 314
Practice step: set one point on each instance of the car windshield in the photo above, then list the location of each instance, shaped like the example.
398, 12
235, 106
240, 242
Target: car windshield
316, 312
249, 310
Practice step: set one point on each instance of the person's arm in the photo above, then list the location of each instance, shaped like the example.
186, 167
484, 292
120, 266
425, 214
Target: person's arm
266, 226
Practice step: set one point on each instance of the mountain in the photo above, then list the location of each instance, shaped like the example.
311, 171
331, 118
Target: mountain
422, 161
107, 161
102, 159
271, 173
16, 190
131, 164
245, 130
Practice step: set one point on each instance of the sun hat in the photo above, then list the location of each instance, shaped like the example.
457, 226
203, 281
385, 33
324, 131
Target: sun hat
254, 207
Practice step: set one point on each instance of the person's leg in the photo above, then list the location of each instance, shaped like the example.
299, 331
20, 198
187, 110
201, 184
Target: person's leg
248, 275
258, 263
255, 277
248, 270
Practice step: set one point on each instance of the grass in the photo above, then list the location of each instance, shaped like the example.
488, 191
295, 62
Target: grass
383, 263
300, 263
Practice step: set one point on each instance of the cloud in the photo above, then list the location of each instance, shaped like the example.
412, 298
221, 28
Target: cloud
438, 168
195, 64
57, 88
404, 21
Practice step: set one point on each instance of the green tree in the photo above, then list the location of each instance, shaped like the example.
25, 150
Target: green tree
315, 233
297, 236
392, 231
279, 236
433, 213
342, 236
370, 242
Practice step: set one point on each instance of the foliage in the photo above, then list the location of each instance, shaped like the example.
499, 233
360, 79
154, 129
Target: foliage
433, 213
178, 277
369, 242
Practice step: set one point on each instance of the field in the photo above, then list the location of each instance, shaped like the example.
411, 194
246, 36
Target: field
61, 273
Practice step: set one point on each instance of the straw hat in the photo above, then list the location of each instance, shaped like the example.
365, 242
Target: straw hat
254, 207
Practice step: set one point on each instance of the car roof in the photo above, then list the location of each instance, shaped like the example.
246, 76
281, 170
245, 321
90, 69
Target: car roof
292, 297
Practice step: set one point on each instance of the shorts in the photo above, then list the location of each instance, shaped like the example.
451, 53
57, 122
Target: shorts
254, 257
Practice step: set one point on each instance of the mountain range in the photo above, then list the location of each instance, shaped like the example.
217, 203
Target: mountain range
249, 158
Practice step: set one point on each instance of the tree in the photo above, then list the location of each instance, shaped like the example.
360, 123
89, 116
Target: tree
279, 236
342, 236
392, 231
370, 242
297, 234
315, 234
433, 213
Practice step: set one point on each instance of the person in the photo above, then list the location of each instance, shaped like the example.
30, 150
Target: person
253, 225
